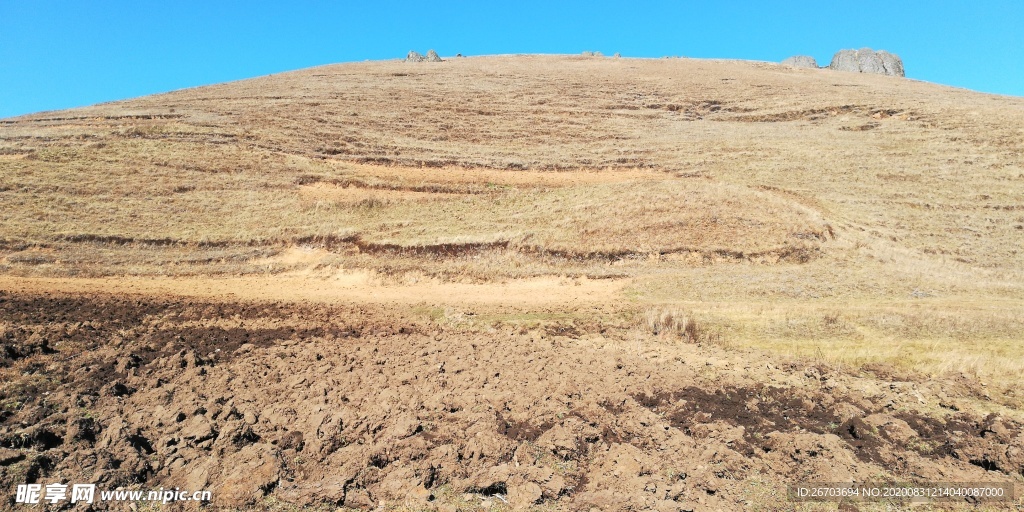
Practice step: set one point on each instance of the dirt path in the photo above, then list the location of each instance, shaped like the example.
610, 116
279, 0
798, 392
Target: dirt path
361, 287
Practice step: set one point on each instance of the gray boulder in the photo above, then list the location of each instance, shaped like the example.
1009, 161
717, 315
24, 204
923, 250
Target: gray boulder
845, 60
432, 56
893, 63
867, 60
414, 56
801, 61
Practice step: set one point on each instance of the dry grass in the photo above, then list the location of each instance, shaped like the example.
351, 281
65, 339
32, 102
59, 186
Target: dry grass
202, 164
863, 211
671, 321
913, 339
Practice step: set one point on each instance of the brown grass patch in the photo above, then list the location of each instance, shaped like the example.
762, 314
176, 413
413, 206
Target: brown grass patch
673, 322
328, 193
497, 178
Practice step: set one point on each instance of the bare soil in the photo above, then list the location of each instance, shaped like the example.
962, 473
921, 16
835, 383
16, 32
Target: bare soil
362, 404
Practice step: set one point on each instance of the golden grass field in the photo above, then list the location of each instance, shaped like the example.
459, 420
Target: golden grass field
867, 223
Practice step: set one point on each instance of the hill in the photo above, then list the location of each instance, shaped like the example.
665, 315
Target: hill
679, 221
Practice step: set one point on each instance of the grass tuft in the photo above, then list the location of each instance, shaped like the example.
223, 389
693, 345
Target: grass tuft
672, 321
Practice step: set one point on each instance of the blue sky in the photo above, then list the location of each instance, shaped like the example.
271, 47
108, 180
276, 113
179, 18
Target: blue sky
59, 54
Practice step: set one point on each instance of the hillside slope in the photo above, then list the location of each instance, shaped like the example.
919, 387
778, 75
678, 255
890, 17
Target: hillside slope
559, 281
745, 158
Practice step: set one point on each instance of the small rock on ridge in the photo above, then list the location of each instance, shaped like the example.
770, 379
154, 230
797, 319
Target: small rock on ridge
801, 61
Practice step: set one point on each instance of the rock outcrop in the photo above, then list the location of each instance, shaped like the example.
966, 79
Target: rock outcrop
892, 62
845, 60
867, 60
415, 56
870, 62
801, 61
